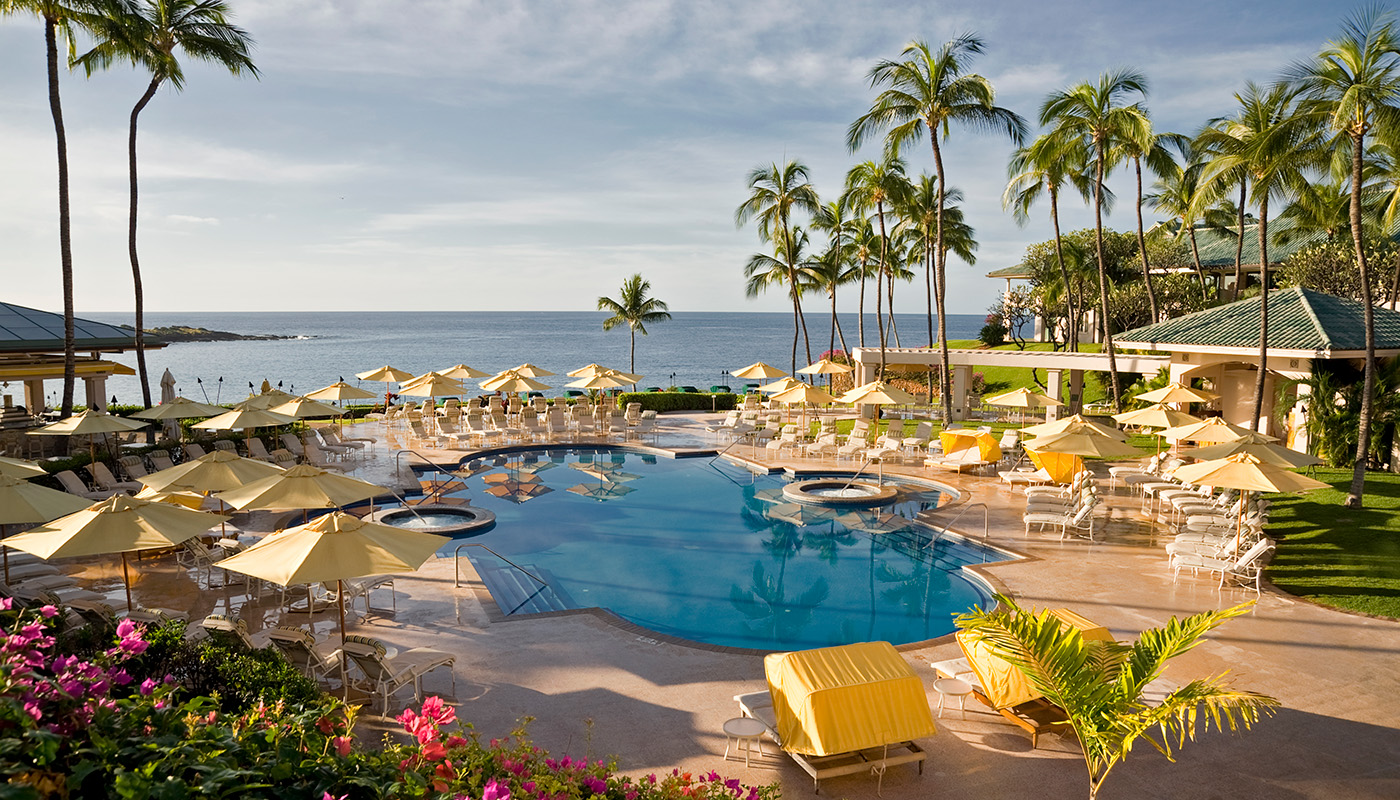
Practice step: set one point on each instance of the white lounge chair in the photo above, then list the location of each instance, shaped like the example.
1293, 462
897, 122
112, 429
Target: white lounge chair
385, 676
108, 482
1079, 519
73, 485
1248, 568
315, 661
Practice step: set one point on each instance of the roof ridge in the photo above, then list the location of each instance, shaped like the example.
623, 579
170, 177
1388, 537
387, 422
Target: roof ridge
1305, 300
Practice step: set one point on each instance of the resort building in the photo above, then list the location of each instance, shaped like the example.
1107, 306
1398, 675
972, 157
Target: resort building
31, 352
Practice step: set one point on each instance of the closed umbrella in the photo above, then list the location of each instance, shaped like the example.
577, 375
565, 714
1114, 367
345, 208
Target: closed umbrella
758, 369
19, 468
120, 524
335, 547
1177, 393
22, 502
1214, 429
1078, 421
90, 423
167, 394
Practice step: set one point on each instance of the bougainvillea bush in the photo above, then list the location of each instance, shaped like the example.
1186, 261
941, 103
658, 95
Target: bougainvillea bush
102, 725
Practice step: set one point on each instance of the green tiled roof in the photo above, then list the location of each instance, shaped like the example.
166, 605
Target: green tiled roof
1299, 319
1015, 271
1218, 250
31, 330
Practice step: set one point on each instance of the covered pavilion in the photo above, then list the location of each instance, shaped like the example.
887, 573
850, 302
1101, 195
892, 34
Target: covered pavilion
31, 352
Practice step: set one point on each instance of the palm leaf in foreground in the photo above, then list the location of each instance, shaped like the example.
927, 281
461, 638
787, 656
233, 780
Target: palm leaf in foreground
1099, 685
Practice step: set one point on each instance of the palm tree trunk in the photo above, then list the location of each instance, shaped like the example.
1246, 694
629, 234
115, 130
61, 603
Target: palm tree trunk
144, 376
941, 273
1142, 245
884, 259
1072, 335
1239, 248
1103, 276
1357, 490
797, 298
632, 353
1263, 312
928, 282
1196, 257
860, 313
894, 329
65, 240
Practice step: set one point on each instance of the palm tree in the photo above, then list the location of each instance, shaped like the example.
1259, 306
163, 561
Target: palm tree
1178, 192
928, 91
789, 266
1150, 147
1094, 114
866, 253
149, 37
1099, 685
833, 267
880, 185
64, 18
635, 310
1272, 143
1355, 81
1044, 167
774, 192
921, 214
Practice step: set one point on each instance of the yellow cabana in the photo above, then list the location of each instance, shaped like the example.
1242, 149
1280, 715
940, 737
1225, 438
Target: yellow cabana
843, 699
1061, 467
960, 441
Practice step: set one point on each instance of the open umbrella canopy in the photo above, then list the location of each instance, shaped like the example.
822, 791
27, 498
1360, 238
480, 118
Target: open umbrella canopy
243, 419
607, 490
90, 422
217, 471
780, 385
804, 393
301, 487
180, 408
462, 372
798, 514
305, 408
1077, 422
19, 468
1177, 393
23, 502
877, 393
956, 441
339, 392
334, 547
605, 379
874, 522
179, 497
593, 369
433, 385
825, 367
511, 382
1023, 398
1083, 443
1247, 473
120, 524
531, 371
1214, 429
1262, 449
758, 369
267, 399
386, 373
518, 491
1156, 416
1057, 467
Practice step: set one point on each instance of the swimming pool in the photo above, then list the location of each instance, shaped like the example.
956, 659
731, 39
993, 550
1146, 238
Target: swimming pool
708, 552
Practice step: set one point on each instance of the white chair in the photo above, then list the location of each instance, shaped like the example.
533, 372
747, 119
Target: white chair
73, 485
315, 661
1080, 519
316, 457
385, 676
1248, 568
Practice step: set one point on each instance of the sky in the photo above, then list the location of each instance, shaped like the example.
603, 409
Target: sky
530, 155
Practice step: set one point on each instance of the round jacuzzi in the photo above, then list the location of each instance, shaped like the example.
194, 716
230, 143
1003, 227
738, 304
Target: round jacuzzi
444, 519
840, 492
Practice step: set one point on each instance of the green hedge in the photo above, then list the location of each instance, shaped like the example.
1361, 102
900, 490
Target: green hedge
679, 401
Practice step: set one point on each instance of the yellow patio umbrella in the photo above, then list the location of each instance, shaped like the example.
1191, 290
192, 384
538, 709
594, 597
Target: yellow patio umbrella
758, 369
1156, 416
19, 468
90, 423
531, 371
462, 372
1023, 399
1058, 467
387, 375
804, 393
593, 369
339, 392
1214, 429
956, 441
825, 367
120, 524
245, 419
1077, 421
305, 408
512, 382
1246, 473
780, 385
267, 399
1083, 442
877, 393
604, 379
335, 547
179, 497
22, 502
1261, 447
301, 487
433, 385
218, 471
1177, 393
180, 408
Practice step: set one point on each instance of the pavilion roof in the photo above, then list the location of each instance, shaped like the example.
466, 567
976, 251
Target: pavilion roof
29, 330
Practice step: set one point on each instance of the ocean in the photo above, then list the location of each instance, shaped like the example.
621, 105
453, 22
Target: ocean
694, 348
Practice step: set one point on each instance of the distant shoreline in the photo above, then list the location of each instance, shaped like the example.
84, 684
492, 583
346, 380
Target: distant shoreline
174, 334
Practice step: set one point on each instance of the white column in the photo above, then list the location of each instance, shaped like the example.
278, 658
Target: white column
962, 376
34, 396
1054, 381
96, 388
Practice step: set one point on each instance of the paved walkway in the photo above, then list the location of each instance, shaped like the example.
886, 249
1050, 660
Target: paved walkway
595, 689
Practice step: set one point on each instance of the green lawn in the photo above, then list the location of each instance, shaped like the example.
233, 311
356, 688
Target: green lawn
1004, 379
1339, 556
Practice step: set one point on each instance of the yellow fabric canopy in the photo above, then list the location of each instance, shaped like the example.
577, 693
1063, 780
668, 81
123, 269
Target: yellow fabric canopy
959, 441
877, 393
19, 468
825, 367
341, 391
120, 524
1262, 449
1078, 423
385, 373
334, 547
1004, 685
22, 502
511, 382
433, 385
1060, 467
1156, 416
462, 372
1214, 429
1177, 393
302, 486
531, 371
758, 369
305, 408
244, 418
1023, 398
180, 408
804, 393
1083, 443
604, 379
842, 699
780, 385
89, 422
212, 472
1245, 472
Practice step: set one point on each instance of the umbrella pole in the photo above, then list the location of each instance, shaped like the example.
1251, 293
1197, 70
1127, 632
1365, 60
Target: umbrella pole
340, 601
6, 551
310, 606
126, 577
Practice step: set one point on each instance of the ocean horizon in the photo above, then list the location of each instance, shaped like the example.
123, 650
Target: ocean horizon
694, 348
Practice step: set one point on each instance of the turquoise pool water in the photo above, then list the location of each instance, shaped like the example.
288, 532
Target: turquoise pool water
709, 552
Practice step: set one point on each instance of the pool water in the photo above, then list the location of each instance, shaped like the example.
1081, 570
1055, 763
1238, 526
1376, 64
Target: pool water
708, 552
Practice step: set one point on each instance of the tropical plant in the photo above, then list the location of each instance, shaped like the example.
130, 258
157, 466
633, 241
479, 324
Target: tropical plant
927, 92
1355, 82
1151, 147
881, 185
64, 18
1094, 114
149, 36
865, 244
634, 309
1177, 192
1100, 685
834, 268
774, 193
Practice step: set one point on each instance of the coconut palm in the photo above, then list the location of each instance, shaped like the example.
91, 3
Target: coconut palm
774, 193
789, 267
833, 268
64, 18
1355, 82
928, 91
881, 185
1276, 146
1096, 116
1151, 147
1177, 192
1046, 166
1099, 685
634, 309
151, 37
865, 244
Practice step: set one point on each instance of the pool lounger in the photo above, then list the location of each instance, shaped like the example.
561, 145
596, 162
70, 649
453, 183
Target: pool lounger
759, 705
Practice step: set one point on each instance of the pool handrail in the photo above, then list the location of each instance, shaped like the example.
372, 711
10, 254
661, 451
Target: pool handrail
398, 465
457, 563
986, 520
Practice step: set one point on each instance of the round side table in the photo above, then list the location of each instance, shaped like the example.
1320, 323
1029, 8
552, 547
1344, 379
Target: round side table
743, 733
952, 687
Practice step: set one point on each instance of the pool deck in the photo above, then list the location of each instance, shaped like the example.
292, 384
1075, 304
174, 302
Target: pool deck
594, 688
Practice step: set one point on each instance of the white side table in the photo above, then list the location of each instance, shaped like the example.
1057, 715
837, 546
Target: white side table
744, 733
952, 687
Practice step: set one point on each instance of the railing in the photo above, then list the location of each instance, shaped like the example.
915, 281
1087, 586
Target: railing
398, 465
457, 563
739, 437
986, 520
867, 462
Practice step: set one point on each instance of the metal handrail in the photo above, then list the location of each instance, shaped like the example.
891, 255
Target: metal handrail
457, 563
867, 462
738, 439
398, 465
986, 520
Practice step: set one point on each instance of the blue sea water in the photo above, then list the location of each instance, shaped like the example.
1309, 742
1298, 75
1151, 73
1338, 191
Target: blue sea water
694, 348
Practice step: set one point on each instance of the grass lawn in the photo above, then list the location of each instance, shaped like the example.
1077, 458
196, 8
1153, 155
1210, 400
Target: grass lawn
1004, 379
1339, 556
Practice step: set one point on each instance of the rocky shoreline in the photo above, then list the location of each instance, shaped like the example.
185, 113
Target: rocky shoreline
172, 334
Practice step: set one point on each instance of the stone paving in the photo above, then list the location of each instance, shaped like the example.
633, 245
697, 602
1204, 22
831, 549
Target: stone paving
594, 688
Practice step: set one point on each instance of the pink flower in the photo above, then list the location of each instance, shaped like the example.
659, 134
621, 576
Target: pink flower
6, 604
49, 612
439, 712
125, 628
594, 785
342, 745
147, 686
434, 751
32, 709
495, 790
